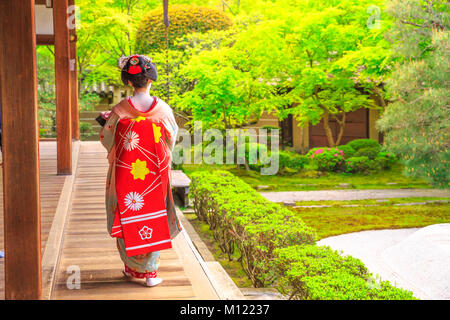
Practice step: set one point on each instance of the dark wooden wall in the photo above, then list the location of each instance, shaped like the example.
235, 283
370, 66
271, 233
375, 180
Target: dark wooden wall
356, 127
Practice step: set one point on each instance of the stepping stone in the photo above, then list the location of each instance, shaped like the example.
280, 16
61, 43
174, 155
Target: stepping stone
409, 204
344, 185
261, 294
262, 187
381, 200
391, 183
189, 211
437, 201
289, 204
313, 206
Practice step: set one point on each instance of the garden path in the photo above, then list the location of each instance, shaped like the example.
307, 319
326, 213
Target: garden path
293, 196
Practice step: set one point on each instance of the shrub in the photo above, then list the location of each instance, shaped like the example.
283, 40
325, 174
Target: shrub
311, 272
240, 218
327, 159
370, 152
292, 160
361, 165
363, 143
348, 151
184, 19
386, 159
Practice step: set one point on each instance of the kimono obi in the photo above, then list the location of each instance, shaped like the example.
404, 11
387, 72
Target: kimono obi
142, 166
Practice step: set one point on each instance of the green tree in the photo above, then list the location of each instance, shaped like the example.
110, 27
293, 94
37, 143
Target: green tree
416, 123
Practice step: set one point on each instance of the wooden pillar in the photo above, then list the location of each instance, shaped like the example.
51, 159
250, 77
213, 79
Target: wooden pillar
374, 114
22, 229
73, 74
63, 92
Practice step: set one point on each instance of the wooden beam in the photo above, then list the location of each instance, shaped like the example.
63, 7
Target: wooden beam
22, 229
63, 81
74, 78
47, 3
45, 39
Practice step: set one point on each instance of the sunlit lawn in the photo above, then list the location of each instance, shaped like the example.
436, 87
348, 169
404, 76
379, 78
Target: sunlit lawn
332, 221
309, 179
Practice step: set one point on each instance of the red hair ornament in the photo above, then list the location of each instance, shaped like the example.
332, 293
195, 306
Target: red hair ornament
134, 70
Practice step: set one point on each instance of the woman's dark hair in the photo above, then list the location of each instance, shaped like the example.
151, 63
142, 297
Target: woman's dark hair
138, 71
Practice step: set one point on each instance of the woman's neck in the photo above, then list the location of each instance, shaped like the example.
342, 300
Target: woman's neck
142, 100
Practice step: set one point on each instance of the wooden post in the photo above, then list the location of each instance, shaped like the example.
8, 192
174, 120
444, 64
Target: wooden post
63, 81
373, 117
73, 73
22, 229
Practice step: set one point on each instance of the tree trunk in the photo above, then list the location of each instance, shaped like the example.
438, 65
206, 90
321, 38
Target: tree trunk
326, 126
341, 124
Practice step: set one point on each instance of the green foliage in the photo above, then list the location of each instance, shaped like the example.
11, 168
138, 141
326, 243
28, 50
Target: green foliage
292, 160
183, 19
363, 143
364, 165
46, 92
240, 218
310, 272
326, 159
416, 123
348, 150
386, 159
370, 152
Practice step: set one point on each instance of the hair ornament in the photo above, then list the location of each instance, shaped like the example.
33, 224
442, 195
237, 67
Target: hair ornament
134, 60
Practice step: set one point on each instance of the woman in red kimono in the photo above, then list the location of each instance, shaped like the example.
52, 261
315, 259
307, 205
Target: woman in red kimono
139, 135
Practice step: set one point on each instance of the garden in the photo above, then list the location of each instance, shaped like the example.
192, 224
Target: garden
230, 63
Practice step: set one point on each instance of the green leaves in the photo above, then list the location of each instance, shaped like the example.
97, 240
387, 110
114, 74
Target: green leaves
310, 272
258, 226
416, 123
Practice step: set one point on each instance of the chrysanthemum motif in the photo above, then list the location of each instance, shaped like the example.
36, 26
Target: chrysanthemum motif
131, 140
134, 201
146, 233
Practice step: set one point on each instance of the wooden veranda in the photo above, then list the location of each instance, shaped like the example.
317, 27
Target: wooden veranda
52, 214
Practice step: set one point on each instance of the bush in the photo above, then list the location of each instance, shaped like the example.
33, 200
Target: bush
348, 151
184, 19
311, 272
370, 152
292, 160
386, 159
240, 218
363, 143
363, 165
274, 244
327, 159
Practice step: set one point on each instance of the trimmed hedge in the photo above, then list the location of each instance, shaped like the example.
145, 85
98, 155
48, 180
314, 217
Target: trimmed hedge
310, 272
275, 244
363, 143
240, 218
184, 19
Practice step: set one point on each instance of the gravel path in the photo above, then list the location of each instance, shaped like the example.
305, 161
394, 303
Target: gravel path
414, 259
293, 196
